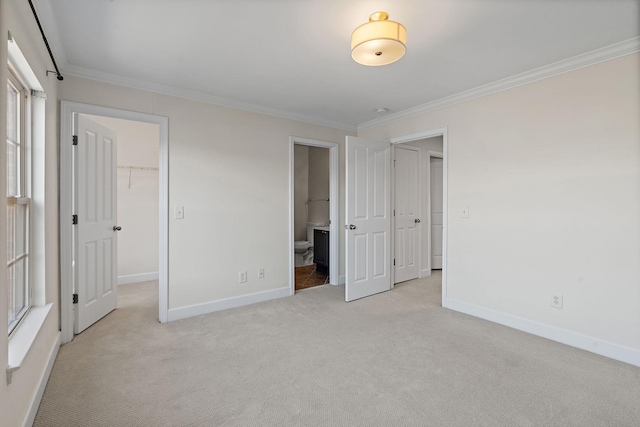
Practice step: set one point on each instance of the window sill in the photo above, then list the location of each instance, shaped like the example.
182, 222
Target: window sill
24, 336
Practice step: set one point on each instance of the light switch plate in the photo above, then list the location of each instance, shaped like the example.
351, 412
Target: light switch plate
179, 212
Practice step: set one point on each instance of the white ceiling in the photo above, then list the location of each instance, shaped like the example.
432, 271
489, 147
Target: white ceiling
292, 57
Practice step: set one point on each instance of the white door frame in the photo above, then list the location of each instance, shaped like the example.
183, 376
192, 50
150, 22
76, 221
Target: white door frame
424, 135
67, 110
432, 155
334, 228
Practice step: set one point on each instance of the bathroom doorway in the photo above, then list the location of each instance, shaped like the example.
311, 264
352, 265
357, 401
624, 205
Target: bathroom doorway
314, 210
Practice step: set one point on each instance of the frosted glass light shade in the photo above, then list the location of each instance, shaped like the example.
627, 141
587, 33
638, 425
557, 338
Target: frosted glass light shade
379, 41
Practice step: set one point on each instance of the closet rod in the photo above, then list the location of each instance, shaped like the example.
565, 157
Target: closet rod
146, 168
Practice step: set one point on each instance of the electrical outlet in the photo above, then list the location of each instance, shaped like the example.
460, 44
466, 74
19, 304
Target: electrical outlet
242, 276
261, 273
556, 301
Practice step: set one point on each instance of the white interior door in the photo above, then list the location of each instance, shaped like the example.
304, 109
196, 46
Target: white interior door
368, 218
406, 209
95, 207
436, 212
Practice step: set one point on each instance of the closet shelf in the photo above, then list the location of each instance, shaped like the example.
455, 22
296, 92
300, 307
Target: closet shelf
144, 168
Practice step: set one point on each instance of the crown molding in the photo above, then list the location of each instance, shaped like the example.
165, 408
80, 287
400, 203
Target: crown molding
46, 14
616, 50
593, 57
73, 70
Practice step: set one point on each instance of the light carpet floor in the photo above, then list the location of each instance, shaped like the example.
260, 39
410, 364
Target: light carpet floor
394, 359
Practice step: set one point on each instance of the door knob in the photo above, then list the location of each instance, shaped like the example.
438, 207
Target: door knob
117, 228
416, 220
352, 227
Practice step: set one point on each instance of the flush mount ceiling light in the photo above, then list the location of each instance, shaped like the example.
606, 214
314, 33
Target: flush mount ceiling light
379, 41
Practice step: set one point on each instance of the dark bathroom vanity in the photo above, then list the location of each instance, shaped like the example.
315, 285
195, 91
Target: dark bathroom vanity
321, 250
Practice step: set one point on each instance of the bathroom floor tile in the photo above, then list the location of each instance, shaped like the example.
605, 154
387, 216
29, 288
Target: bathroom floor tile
307, 277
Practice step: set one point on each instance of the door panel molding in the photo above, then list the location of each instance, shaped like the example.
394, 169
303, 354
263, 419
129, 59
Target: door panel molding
96, 208
406, 206
368, 215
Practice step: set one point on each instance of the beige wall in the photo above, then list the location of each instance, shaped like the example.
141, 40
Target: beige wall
319, 171
301, 190
550, 172
16, 398
311, 184
229, 168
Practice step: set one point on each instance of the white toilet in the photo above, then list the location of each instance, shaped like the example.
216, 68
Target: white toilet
304, 248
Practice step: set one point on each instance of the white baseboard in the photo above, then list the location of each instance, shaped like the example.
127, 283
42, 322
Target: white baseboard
137, 278
224, 304
37, 397
342, 280
563, 336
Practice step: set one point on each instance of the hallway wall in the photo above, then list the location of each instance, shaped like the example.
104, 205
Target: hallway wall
301, 191
319, 171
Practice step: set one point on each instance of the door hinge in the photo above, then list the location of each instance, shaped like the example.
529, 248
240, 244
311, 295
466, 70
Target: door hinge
75, 298
74, 219
75, 140
394, 212
394, 261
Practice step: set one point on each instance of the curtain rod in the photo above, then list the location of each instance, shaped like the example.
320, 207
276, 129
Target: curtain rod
35, 15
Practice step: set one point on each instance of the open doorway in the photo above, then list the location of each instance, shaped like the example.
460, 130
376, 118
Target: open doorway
72, 115
137, 198
420, 220
417, 208
369, 220
311, 216
314, 213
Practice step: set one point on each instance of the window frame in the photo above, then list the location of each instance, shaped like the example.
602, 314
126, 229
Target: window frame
20, 199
